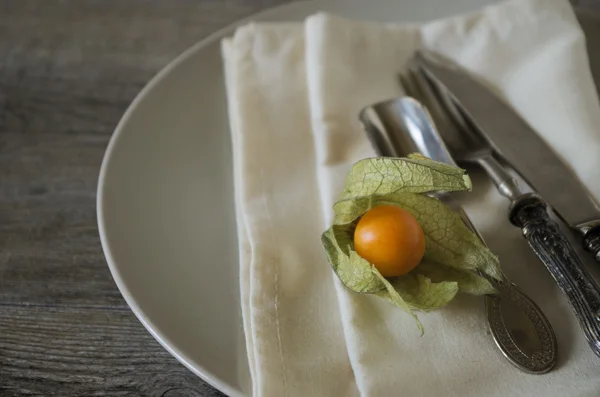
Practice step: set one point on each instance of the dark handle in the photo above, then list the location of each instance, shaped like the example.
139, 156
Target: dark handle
552, 248
591, 242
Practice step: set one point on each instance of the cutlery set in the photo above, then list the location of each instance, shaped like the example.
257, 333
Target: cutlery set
451, 117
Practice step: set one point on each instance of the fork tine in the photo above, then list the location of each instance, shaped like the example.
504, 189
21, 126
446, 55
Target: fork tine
423, 90
416, 85
408, 86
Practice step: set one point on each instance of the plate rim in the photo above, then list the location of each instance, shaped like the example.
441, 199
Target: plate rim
165, 342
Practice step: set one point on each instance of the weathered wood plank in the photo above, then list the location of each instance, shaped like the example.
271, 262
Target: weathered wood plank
49, 351
49, 244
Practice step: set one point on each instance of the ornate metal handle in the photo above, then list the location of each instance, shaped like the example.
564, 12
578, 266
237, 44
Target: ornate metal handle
591, 242
534, 353
552, 248
510, 313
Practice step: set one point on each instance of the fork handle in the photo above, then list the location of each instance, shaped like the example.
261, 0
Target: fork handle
555, 252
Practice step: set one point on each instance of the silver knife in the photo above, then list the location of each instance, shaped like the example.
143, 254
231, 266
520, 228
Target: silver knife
527, 211
517, 143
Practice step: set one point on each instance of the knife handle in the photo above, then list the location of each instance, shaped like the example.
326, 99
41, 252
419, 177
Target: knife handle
552, 248
591, 242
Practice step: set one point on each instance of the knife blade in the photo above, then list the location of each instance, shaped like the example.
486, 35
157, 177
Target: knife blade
516, 142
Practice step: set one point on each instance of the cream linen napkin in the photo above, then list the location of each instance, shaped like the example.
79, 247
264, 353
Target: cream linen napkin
533, 51
308, 336
291, 318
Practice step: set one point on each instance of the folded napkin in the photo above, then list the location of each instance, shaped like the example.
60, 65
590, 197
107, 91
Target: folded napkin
294, 93
291, 318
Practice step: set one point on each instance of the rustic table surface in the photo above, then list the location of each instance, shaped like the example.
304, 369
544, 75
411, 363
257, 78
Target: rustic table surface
68, 71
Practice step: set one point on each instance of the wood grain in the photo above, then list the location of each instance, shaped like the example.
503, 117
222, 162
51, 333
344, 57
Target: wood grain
82, 351
68, 71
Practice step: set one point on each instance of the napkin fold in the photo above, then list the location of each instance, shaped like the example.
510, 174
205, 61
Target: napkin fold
294, 92
290, 311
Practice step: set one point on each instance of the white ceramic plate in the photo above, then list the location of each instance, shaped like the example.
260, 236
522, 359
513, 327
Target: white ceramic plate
165, 198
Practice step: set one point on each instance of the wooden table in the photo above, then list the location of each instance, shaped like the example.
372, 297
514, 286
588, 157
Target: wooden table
68, 71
